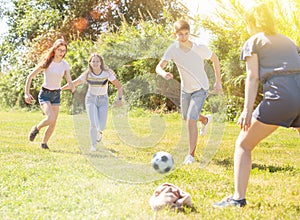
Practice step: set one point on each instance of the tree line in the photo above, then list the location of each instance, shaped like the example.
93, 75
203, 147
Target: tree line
131, 35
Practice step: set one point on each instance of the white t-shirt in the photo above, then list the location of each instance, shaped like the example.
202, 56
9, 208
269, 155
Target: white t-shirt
190, 65
54, 73
98, 84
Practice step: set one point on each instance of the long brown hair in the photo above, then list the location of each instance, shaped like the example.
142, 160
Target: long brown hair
50, 54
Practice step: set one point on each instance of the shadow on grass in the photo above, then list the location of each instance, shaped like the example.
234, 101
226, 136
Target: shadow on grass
185, 209
270, 168
66, 152
227, 162
83, 153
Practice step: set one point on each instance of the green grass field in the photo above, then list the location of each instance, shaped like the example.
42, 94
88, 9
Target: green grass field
68, 182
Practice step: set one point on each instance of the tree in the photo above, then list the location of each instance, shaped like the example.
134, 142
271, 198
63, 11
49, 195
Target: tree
35, 23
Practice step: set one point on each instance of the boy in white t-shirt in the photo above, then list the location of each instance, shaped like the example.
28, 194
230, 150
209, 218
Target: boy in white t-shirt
189, 59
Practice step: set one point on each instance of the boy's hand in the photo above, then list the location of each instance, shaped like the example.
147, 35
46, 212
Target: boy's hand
218, 87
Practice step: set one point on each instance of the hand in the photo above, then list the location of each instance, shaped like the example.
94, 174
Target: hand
245, 120
28, 98
168, 76
73, 88
218, 87
118, 103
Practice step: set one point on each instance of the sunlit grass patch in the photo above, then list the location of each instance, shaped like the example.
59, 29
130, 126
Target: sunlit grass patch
65, 182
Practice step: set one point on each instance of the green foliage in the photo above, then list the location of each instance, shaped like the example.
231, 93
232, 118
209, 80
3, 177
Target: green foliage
227, 24
133, 52
35, 24
12, 87
42, 21
233, 107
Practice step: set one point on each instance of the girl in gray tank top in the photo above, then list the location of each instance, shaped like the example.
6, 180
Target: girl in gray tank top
272, 59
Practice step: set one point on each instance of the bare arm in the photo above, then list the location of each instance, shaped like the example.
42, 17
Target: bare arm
76, 82
160, 70
118, 85
69, 81
251, 88
217, 70
28, 97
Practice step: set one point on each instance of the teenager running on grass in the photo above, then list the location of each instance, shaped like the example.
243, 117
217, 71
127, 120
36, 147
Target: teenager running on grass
54, 68
96, 100
274, 60
189, 58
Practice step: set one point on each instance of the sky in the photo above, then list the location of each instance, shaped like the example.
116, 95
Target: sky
203, 7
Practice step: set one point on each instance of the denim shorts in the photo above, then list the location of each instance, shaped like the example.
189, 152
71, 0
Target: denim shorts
52, 96
192, 104
281, 103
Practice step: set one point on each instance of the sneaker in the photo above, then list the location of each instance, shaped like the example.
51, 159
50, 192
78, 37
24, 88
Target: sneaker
93, 149
229, 201
34, 131
99, 136
204, 127
189, 159
44, 146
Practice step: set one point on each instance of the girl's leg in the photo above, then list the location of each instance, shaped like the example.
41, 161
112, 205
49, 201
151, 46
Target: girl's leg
242, 157
195, 105
50, 114
52, 122
92, 114
193, 135
102, 113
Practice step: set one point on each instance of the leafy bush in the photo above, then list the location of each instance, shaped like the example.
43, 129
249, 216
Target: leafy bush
12, 87
133, 52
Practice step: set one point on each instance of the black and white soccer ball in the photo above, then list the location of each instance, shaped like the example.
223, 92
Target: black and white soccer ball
162, 162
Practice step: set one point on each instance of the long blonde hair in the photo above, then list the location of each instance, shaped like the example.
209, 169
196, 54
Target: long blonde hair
46, 61
261, 19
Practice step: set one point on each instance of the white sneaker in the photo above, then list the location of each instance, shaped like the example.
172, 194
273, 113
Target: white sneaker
204, 127
189, 159
94, 148
99, 136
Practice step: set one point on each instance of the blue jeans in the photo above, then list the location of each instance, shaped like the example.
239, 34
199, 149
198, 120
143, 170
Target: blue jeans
192, 104
97, 110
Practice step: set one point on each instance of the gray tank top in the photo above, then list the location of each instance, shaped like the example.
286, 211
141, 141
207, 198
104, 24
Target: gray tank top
277, 54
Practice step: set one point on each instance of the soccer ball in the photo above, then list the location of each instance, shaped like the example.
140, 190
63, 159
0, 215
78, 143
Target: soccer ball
162, 162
